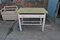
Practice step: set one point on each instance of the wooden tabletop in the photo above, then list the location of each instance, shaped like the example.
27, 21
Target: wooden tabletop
32, 10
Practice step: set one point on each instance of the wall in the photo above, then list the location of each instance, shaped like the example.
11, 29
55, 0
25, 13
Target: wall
32, 3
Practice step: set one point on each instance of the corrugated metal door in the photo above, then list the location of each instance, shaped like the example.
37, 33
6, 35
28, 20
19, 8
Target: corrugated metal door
0, 1
3, 1
52, 10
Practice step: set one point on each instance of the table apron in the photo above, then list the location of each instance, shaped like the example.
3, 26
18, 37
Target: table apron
31, 16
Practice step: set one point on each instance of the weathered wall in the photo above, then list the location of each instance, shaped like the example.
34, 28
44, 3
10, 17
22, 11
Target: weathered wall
30, 3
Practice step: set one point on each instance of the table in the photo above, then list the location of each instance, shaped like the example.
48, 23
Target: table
32, 13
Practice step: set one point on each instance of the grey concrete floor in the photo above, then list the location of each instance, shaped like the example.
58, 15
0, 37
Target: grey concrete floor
52, 31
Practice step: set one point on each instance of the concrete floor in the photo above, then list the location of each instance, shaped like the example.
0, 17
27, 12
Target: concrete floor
52, 31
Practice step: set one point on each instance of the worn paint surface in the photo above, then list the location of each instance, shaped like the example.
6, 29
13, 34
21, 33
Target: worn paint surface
32, 10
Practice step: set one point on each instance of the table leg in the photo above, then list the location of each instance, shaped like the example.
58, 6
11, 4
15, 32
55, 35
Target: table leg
40, 20
43, 23
19, 23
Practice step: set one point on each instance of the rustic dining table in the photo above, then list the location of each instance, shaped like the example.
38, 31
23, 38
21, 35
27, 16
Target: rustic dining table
32, 13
